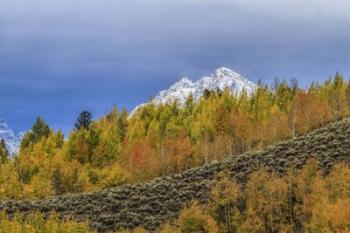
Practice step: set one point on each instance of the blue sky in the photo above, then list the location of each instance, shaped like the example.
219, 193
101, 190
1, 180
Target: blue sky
58, 57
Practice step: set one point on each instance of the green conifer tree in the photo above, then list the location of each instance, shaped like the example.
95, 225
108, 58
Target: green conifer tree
84, 120
39, 130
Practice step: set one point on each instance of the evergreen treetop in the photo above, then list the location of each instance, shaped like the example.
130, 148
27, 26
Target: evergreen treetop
39, 130
84, 120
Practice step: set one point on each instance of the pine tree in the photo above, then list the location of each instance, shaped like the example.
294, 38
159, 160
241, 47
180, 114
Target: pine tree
39, 130
84, 120
4, 153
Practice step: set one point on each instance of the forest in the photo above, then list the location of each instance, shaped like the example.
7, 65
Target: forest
165, 139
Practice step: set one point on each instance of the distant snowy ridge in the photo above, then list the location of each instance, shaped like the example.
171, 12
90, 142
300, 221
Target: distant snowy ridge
12, 141
221, 79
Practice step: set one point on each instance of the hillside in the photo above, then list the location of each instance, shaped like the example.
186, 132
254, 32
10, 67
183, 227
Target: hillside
151, 203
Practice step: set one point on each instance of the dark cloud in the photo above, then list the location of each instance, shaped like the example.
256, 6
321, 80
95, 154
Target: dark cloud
58, 57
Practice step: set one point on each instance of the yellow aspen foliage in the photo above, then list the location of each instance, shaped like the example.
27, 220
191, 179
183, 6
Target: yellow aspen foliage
330, 217
194, 219
122, 231
252, 223
309, 189
139, 230
225, 191
35, 223
10, 187
168, 228
338, 182
39, 187
111, 176
330, 202
267, 201
136, 230
224, 200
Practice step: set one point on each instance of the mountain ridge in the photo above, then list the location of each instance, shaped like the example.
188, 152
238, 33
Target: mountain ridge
221, 79
12, 141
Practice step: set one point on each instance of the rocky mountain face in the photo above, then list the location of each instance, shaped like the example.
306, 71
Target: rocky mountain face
12, 141
152, 203
221, 79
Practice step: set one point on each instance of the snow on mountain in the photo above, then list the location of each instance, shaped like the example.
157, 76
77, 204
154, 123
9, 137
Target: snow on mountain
221, 79
12, 141
179, 91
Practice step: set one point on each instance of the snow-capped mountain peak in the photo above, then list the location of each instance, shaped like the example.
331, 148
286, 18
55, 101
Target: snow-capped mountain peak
12, 141
183, 83
224, 78
224, 71
221, 79
178, 91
